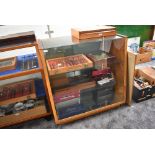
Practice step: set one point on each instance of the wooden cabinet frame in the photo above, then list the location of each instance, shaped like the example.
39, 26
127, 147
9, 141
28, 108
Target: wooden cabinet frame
37, 112
122, 70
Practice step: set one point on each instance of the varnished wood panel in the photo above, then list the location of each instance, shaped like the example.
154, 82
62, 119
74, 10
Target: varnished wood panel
131, 70
119, 50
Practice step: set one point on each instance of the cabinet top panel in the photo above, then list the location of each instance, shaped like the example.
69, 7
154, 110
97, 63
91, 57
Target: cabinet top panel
94, 28
68, 41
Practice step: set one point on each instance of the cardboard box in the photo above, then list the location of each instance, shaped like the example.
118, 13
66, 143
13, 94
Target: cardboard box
144, 57
144, 93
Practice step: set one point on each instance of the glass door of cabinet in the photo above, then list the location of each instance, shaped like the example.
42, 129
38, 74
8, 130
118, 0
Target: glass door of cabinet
86, 75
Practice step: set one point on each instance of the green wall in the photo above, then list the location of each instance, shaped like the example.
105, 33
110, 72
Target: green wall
144, 31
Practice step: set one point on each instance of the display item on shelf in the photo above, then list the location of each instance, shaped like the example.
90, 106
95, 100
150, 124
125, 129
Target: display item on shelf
20, 63
39, 88
68, 64
103, 81
66, 96
17, 91
101, 60
98, 73
87, 98
27, 62
15, 108
19, 107
70, 111
30, 104
7, 64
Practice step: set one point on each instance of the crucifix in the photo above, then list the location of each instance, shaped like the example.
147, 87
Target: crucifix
49, 32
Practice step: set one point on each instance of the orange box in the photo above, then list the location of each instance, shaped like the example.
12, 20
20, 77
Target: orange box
68, 64
144, 57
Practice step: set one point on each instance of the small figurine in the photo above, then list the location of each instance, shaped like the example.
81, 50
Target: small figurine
30, 104
19, 106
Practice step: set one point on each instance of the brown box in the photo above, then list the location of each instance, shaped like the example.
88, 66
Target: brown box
144, 57
18, 95
7, 64
148, 73
93, 32
144, 50
68, 64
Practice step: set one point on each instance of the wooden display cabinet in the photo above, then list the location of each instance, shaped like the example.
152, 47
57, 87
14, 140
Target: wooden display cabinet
13, 47
65, 46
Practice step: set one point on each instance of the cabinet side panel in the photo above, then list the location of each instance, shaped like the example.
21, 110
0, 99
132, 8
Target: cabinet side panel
130, 76
118, 49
